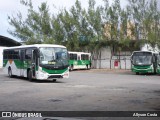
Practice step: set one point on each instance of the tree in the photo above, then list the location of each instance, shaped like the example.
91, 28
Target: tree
96, 30
90, 29
36, 28
146, 19
81, 25
58, 30
152, 24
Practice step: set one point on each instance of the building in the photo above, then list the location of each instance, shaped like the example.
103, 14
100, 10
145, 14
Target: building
6, 42
125, 31
109, 57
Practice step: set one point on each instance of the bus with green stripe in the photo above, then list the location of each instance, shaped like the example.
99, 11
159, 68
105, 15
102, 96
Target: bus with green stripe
39, 61
144, 62
79, 60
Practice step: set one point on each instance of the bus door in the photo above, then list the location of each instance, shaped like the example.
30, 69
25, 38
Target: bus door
34, 62
22, 56
155, 62
158, 64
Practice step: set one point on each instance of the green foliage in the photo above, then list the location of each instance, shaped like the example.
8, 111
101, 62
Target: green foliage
146, 17
36, 28
82, 29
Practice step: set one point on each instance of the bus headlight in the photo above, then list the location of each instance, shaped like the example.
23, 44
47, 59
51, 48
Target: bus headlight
66, 75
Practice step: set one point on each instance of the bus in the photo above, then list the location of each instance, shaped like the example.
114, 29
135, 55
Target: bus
79, 60
144, 62
39, 61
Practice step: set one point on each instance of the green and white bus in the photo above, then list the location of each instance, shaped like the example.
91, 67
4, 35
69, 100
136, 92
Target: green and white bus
79, 60
39, 61
144, 62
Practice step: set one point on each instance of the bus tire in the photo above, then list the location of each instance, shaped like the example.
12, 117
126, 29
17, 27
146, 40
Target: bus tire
155, 71
71, 68
87, 67
54, 80
29, 75
137, 73
10, 72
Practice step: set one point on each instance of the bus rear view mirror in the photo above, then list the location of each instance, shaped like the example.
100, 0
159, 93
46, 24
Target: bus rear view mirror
131, 59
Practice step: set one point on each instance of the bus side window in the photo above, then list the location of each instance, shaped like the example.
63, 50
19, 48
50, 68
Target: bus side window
5, 55
16, 54
82, 57
28, 54
78, 57
10, 54
87, 57
74, 56
22, 54
71, 56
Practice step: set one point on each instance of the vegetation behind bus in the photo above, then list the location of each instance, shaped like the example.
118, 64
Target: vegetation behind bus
84, 29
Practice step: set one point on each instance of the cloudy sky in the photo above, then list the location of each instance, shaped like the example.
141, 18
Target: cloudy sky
11, 7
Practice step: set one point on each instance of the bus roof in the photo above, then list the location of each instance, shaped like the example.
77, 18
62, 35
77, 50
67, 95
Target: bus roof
145, 51
37, 45
78, 52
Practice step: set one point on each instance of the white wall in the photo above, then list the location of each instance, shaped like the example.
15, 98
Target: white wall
106, 62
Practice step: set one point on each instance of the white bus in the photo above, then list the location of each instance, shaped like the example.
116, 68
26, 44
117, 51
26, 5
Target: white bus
79, 60
39, 61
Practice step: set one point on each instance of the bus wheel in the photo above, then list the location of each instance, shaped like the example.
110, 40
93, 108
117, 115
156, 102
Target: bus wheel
10, 73
54, 80
137, 73
87, 67
71, 68
155, 71
29, 75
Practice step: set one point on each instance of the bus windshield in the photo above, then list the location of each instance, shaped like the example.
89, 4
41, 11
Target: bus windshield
142, 58
53, 56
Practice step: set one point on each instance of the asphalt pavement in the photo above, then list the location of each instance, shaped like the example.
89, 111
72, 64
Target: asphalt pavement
85, 90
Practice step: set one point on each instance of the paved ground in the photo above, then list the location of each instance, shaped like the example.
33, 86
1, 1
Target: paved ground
85, 90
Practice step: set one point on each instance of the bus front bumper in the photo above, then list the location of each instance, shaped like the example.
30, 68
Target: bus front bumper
143, 70
45, 76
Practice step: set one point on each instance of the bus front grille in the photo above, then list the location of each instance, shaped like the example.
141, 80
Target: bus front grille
55, 76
